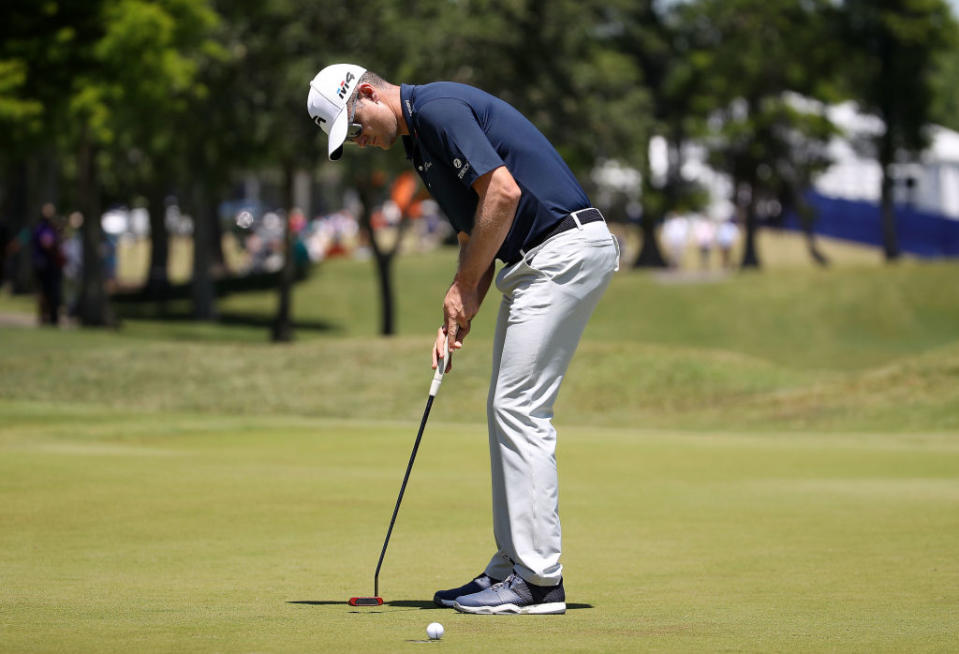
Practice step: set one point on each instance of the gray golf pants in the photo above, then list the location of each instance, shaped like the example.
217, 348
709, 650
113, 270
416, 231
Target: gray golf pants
548, 297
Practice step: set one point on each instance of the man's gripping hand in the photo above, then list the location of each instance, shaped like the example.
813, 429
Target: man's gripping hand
459, 308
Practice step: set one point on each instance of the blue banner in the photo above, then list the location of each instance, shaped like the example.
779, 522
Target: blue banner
920, 233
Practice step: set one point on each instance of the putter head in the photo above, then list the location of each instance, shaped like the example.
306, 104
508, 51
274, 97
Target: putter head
366, 601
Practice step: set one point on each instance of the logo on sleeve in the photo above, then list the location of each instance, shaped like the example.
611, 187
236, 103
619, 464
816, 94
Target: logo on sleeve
458, 165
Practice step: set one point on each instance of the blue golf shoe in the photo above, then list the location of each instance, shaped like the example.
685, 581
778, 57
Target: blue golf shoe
514, 595
445, 598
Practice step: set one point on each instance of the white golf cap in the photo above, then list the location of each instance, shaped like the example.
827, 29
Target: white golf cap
329, 92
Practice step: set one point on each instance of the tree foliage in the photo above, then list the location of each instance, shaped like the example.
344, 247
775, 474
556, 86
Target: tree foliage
945, 87
892, 48
143, 98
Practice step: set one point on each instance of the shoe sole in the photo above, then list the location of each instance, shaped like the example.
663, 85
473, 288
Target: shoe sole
547, 608
443, 604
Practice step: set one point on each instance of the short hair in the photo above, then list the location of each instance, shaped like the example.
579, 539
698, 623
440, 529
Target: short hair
369, 77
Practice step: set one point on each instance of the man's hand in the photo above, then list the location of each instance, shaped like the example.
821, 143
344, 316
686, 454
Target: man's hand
439, 350
459, 308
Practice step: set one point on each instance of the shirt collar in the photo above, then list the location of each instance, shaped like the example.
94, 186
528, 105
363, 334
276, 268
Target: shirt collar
406, 100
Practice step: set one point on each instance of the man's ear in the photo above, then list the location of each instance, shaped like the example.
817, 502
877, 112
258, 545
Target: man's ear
367, 91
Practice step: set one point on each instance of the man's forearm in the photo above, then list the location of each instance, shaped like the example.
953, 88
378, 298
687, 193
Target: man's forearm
498, 198
485, 279
494, 217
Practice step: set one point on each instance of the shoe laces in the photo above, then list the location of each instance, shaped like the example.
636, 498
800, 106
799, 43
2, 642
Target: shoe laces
508, 582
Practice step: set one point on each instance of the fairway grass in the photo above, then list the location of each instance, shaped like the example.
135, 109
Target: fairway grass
125, 531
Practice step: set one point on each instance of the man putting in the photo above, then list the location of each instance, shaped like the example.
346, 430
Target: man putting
510, 196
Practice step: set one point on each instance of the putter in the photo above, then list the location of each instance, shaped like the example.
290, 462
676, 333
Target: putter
376, 600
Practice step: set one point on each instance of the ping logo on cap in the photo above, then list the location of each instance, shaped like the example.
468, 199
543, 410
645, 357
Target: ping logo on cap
345, 86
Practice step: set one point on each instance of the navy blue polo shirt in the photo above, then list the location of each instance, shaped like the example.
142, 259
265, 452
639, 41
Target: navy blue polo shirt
458, 133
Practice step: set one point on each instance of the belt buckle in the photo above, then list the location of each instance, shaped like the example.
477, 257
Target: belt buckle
575, 216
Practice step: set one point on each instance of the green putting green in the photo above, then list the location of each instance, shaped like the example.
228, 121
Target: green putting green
211, 533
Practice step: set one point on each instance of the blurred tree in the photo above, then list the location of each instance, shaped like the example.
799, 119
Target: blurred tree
108, 76
152, 55
159, 126
279, 45
892, 48
20, 115
557, 61
36, 64
746, 53
654, 35
945, 84
77, 120
144, 73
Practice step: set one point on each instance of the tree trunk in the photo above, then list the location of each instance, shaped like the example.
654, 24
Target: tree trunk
384, 269
383, 259
807, 218
93, 308
282, 325
17, 209
158, 281
650, 255
818, 257
750, 251
889, 112
203, 291
216, 235
887, 214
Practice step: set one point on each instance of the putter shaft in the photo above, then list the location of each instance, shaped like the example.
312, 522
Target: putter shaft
396, 509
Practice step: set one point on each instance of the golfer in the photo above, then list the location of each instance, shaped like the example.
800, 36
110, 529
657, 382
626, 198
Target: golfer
510, 196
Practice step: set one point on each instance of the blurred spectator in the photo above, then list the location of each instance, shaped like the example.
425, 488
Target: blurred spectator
334, 235
705, 235
72, 262
4, 245
48, 265
301, 254
726, 237
266, 244
297, 220
16, 254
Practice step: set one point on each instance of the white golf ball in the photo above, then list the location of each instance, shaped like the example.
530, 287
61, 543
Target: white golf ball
434, 630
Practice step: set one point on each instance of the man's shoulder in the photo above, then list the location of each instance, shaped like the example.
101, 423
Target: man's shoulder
443, 89
437, 95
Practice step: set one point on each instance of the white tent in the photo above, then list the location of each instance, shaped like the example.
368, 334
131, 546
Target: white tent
929, 184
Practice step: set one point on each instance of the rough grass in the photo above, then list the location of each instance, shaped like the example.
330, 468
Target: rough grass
848, 348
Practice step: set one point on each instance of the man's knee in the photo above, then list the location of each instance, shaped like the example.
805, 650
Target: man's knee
505, 410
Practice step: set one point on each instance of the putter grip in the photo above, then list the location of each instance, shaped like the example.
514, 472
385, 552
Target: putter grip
440, 368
